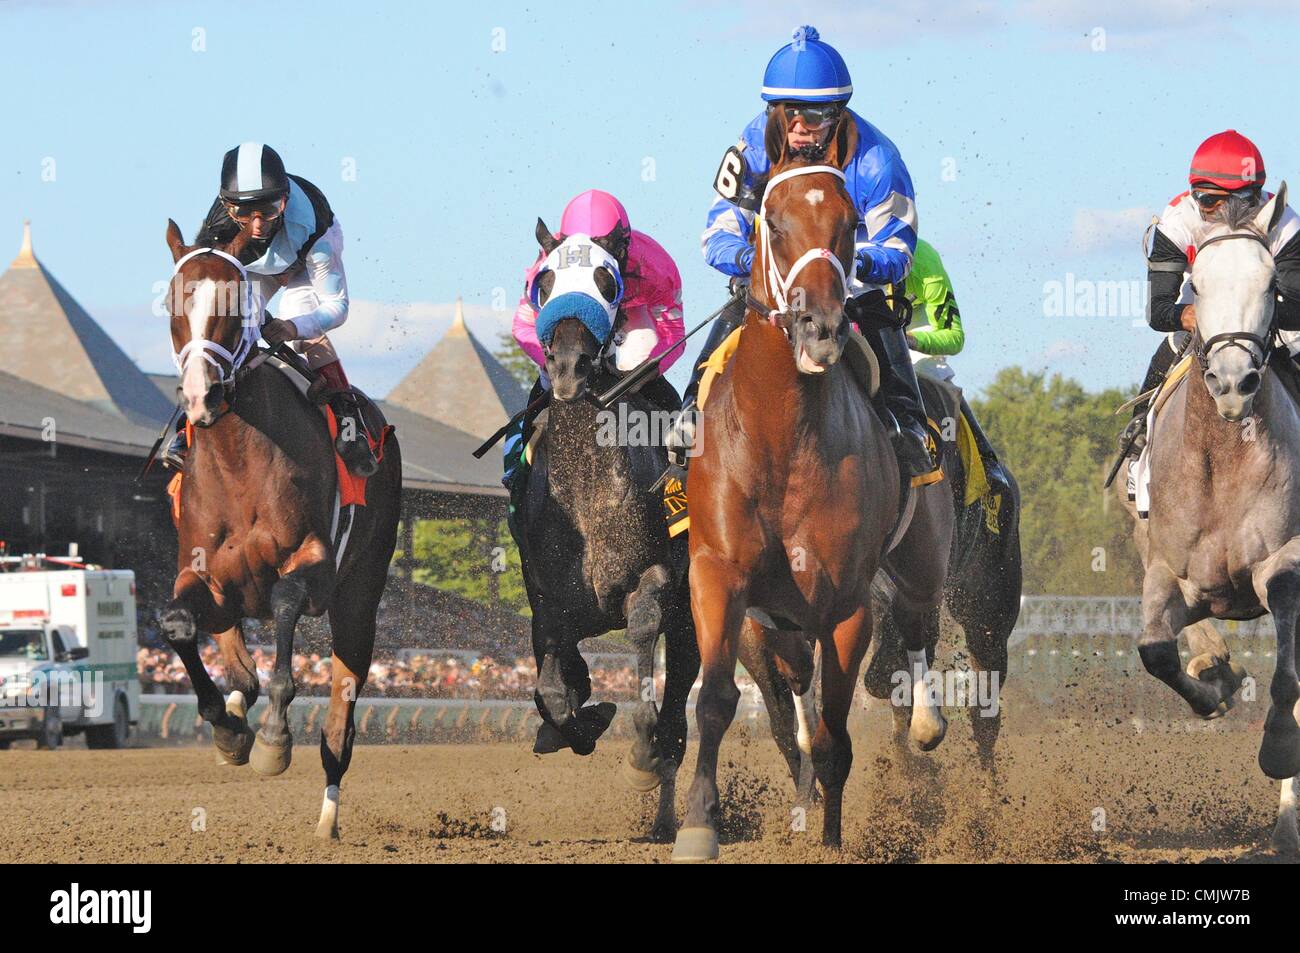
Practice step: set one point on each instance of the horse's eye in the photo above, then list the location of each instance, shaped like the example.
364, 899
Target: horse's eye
545, 284
605, 282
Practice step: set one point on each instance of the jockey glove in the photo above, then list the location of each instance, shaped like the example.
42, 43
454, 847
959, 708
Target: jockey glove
865, 264
277, 331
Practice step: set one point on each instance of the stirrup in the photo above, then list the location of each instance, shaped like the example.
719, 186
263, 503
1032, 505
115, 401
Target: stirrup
916, 460
1134, 437
679, 441
356, 453
172, 455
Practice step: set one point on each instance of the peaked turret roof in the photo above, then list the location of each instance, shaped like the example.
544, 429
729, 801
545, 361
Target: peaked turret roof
48, 339
459, 383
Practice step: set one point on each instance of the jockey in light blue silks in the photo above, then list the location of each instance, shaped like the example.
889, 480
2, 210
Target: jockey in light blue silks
809, 79
295, 249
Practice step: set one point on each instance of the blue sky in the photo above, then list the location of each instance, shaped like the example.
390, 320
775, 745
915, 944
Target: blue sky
1063, 140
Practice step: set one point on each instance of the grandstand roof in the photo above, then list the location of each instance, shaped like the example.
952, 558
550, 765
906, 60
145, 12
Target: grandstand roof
459, 383
50, 340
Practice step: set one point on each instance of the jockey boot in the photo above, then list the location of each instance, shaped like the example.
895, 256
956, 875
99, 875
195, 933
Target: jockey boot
998, 481
900, 393
351, 443
1134, 437
173, 455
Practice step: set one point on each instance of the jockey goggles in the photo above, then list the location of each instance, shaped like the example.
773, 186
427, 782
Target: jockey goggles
815, 116
1208, 199
268, 209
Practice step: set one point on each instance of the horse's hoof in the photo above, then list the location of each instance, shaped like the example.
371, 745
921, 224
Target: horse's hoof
1285, 843
1279, 752
233, 745
663, 833
640, 781
928, 728
598, 716
695, 845
1225, 674
270, 759
549, 739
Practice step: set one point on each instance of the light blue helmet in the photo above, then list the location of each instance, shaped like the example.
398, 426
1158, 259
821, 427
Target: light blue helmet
807, 70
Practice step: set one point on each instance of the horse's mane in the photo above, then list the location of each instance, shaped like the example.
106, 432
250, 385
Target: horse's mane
1237, 212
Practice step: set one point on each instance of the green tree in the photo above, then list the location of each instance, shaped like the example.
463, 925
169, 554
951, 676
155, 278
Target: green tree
514, 360
1059, 441
474, 558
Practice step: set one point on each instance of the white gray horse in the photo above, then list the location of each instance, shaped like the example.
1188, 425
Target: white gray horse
1223, 536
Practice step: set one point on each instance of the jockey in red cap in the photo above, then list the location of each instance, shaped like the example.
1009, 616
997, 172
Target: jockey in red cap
1226, 169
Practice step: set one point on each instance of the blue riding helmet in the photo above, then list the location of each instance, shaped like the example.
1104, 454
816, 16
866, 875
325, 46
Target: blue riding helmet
807, 70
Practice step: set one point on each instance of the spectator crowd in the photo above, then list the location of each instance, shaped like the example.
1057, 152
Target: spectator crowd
416, 675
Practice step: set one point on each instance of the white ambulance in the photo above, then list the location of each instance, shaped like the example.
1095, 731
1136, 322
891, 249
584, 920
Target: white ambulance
67, 652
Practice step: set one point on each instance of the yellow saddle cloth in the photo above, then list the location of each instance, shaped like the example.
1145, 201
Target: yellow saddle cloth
862, 364
857, 353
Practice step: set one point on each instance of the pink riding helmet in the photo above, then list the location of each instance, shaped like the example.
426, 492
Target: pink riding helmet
593, 213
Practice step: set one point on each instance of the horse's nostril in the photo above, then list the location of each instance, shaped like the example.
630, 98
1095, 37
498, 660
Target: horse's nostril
1212, 382
212, 399
1249, 384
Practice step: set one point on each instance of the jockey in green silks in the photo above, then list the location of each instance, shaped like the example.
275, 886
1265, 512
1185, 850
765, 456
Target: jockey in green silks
935, 333
936, 323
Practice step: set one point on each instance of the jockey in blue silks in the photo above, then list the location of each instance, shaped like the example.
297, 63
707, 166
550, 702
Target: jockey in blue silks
810, 81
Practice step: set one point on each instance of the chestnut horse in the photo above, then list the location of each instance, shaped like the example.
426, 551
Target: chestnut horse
257, 521
796, 495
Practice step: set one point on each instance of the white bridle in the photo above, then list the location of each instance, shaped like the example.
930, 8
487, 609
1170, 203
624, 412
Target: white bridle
249, 329
779, 285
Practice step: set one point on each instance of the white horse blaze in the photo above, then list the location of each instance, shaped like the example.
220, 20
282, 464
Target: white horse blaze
815, 197
194, 379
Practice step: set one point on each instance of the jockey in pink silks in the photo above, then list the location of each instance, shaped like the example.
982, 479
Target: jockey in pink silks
649, 319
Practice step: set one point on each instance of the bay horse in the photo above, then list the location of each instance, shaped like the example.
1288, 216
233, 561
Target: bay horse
981, 594
797, 492
256, 521
596, 554
1222, 538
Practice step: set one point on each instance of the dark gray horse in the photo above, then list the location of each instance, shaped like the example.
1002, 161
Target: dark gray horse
597, 558
1223, 534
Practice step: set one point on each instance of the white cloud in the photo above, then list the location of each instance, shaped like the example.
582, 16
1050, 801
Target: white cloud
1063, 350
1106, 229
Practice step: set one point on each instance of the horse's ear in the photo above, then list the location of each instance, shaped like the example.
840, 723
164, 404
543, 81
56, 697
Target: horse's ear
238, 242
175, 241
843, 143
545, 238
1272, 212
774, 139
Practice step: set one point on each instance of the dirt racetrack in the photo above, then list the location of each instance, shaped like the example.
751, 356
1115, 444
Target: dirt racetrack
1167, 796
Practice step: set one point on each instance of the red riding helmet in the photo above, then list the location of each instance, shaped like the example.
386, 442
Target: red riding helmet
1228, 160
